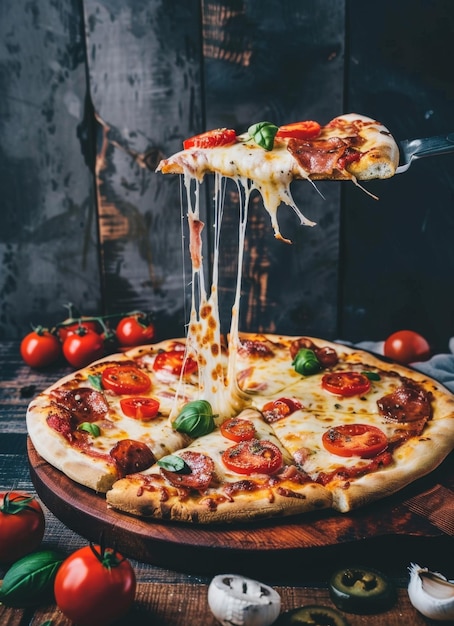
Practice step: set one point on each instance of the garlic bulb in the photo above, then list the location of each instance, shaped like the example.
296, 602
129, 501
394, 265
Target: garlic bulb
431, 593
238, 601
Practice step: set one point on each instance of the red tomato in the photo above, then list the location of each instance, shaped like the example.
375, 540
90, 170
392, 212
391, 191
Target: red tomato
406, 346
140, 408
238, 429
277, 409
211, 139
355, 440
40, 348
253, 457
300, 130
70, 329
83, 347
173, 361
95, 586
346, 383
134, 330
125, 379
22, 525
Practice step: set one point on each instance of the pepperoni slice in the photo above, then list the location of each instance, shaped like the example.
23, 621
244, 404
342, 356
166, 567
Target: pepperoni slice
202, 471
132, 456
84, 404
408, 403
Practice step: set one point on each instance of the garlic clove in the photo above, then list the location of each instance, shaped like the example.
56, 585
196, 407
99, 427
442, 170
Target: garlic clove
431, 593
238, 601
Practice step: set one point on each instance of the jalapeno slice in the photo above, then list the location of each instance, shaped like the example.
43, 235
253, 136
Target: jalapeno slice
361, 590
312, 614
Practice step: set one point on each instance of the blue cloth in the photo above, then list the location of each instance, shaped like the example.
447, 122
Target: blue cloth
440, 366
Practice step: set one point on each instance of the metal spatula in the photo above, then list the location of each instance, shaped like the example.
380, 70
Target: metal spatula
412, 149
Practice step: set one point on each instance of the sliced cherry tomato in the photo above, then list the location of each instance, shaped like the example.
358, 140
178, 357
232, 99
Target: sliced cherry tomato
300, 130
406, 346
346, 383
22, 525
134, 330
355, 440
125, 379
95, 586
211, 139
82, 347
173, 361
40, 348
277, 409
238, 429
253, 457
140, 408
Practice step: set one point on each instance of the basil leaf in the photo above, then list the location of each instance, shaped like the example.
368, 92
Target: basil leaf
95, 381
91, 428
263, 134
174, 463
195, 419
306, 362
30, 580
371, 375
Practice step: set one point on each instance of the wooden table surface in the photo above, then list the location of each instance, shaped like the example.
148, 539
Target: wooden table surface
174, 596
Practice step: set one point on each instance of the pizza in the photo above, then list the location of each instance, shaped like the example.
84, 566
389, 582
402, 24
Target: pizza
231, 427
319, 425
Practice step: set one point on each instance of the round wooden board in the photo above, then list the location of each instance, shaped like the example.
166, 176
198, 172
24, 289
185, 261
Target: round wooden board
208, 549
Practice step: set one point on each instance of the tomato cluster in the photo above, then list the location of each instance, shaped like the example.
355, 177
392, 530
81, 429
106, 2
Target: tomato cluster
82, 340
93, 586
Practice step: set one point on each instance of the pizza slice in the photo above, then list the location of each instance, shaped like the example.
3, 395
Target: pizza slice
238, 472
111, 418
268, 158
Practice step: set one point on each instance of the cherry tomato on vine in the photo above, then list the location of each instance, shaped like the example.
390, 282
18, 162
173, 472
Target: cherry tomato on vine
83, 347
134, 330
40, 348
406, 346
70, 329
211, 139
22, 525
95, 586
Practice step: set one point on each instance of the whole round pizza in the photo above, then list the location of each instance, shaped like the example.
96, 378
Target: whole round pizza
211, 428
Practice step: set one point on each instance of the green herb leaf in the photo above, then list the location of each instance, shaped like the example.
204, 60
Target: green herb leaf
263, 134
91, 428
95, 381
30, 580
195, 419
306, 362
371, 375
174, 463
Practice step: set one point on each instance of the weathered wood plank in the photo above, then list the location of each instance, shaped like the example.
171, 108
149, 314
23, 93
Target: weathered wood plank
144, 70
48, 244
398, 253
279, 62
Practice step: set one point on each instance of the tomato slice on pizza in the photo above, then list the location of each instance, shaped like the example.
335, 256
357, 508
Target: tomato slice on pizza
346, 383
251, 457
139, 407
238, 429
361, 440
174, 362
125, 379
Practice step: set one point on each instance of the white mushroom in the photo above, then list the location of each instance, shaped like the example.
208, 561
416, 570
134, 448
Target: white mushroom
431, 593
238, 601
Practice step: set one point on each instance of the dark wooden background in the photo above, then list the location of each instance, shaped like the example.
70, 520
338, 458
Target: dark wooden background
94, 92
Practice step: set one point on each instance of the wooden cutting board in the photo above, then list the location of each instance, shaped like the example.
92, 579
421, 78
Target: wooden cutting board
424, 510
